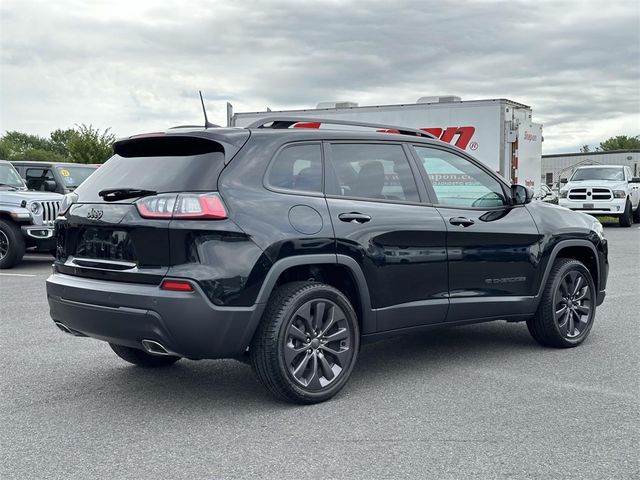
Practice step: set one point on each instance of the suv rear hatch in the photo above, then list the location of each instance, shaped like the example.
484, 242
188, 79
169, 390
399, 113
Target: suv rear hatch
116, 225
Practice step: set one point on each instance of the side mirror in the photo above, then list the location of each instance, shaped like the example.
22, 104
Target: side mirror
564, 180
521, 195
50, 185
635, 180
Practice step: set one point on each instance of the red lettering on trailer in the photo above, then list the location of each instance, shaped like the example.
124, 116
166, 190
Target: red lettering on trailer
465, 134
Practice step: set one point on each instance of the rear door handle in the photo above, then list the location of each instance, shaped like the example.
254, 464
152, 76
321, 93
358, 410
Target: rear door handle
465, 222
354, 217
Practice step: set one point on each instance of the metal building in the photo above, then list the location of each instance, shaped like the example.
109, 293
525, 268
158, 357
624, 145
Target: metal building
562, 165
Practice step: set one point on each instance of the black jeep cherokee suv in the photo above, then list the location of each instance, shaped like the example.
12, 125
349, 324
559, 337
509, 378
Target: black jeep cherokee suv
292, 246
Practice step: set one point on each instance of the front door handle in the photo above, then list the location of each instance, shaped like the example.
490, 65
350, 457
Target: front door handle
465, 222
354, 217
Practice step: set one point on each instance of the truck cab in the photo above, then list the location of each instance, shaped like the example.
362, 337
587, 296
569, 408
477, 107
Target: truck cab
609, 190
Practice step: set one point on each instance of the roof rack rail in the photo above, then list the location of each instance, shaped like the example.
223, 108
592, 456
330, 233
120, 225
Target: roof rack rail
286, 122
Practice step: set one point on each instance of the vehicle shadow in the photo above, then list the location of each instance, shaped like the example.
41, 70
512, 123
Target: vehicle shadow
229, 384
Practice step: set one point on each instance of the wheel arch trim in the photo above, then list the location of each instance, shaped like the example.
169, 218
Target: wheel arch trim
368, 323
554, 254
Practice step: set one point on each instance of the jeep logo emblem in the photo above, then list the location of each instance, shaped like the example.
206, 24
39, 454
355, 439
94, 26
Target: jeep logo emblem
95, 214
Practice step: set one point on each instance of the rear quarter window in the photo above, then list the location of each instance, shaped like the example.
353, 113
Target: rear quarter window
297, 168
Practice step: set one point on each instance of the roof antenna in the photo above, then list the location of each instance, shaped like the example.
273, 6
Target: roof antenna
207, 124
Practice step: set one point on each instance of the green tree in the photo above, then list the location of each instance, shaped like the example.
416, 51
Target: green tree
60, 139
15, 144
585, 149
83, 144
88, 145
621, 142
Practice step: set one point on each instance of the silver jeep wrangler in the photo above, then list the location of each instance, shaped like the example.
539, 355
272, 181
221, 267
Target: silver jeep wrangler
26, 218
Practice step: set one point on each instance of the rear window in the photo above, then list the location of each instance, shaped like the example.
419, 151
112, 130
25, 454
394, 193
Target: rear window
178, 165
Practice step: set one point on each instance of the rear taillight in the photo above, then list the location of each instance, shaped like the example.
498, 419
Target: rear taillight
176, 286
206, 206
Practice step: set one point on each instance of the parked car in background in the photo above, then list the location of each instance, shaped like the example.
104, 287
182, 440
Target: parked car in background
609, 190
26, 218
288, 247
53, 176
545, 194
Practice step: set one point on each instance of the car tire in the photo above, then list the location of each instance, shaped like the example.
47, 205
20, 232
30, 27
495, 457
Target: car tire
626, 219
567, 309
12, 244
141, 358
636, 214
307, 343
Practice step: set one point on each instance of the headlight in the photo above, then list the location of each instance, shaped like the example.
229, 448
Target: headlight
563, 193
598, 228
619, 194
68, 200
35, 208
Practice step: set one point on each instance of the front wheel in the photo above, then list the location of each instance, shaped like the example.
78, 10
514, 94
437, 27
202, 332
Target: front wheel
307, 343
11, 244
625, 219
567, 308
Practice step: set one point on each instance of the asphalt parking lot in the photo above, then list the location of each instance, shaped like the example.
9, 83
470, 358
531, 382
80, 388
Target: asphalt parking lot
482, 401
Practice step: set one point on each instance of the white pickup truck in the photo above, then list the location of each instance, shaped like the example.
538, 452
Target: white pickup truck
608, 190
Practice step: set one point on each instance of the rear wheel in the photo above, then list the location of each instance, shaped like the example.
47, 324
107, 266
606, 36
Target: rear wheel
141, 358
567, 309
307, 343
626, 219
11, 244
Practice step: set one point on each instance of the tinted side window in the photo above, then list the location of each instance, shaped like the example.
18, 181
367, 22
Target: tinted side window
375, 171
297, 167
459, 183
36, 177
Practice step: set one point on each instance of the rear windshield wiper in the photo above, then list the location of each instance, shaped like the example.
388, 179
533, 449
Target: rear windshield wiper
113, 194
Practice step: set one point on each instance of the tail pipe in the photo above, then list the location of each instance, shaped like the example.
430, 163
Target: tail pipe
156, 348
66, 329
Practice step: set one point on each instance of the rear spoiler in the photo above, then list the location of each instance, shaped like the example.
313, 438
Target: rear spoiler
181, 142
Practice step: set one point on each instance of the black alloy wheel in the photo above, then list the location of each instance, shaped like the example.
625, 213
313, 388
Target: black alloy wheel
12, 245
567, 308
4, 245
573, 300
317, 344
307, 343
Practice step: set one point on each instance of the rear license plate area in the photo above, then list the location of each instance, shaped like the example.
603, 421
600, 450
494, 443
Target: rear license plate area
105, 244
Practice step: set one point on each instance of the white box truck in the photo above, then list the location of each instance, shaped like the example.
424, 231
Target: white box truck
498, 132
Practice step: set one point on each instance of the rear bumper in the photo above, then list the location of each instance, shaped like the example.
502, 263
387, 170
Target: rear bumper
186, 323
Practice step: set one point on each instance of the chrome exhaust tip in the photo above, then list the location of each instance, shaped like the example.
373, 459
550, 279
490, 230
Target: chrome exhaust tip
156, 348
66, 329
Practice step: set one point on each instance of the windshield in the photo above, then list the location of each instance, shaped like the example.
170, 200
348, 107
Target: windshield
605, 173
9, 176
74, 176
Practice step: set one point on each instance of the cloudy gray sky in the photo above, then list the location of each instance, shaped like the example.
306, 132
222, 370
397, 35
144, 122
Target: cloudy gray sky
137, 65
